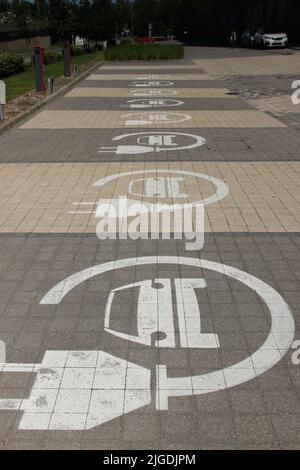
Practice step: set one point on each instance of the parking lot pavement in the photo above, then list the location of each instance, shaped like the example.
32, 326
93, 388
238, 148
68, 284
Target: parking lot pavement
142, 343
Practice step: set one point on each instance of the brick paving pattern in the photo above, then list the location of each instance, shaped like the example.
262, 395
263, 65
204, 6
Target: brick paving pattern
77, 378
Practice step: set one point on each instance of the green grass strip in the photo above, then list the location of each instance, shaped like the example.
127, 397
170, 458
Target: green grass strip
17, 85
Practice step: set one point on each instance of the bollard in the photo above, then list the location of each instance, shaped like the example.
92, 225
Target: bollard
75, 71
67, 60
50, 85
2, 100
39, 66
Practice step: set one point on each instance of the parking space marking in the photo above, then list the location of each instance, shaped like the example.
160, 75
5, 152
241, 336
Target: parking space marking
275, 64
264, 197
91, 119
278, 105
142, 78
149, 66
81, 92
210, 328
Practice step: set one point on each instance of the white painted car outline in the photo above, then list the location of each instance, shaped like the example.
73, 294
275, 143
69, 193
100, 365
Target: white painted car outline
152, 117
164, 102
149, 319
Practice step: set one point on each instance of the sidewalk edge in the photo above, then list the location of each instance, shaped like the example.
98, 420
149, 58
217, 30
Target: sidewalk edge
36, 107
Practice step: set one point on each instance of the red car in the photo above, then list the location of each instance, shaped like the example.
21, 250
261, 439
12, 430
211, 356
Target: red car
145, 40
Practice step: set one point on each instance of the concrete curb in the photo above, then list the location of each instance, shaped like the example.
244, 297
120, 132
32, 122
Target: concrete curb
36, 107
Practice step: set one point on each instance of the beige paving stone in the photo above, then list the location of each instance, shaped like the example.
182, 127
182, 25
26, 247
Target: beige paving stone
83, 119
148, 66
146, 92
277, 105
62, 198
259, 65
146, 77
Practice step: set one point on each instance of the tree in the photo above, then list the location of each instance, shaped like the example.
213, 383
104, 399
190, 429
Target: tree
123, 14
83, 18
4, 6
24, 14
60, 19
103, 20
143, 13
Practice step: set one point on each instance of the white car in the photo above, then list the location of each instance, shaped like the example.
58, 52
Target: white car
265, 37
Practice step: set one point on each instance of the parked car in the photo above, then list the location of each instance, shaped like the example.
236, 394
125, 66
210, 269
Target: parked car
247, 38
266, 37
145, 40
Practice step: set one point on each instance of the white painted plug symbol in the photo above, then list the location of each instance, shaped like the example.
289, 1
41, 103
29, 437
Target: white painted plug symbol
127, 149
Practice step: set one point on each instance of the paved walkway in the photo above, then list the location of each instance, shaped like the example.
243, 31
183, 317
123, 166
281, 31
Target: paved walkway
120, 344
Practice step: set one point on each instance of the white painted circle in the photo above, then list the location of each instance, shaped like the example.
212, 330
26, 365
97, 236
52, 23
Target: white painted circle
222, 189
267, 356
148, 84
146, 102
157, 92
199, 141
165, 117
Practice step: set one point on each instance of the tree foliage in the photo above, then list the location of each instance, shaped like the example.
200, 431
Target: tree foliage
102, 19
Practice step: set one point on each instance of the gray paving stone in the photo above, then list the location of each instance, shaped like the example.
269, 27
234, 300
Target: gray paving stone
98, 103
253, 429
262, 413
128, 83
81, 145
209, 419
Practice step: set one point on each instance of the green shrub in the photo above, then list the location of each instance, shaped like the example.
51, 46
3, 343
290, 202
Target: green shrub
10, 64
50, 57
126, 41
79, 50
144, 52
89, 49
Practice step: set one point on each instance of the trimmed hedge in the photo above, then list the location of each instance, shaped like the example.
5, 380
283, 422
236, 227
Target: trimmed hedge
144, 52
10, 64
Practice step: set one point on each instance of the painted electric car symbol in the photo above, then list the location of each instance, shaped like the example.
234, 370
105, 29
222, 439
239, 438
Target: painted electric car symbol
148, 92
169, 188
83, 389
151, 83
139, 119
148, 142
172, 184
153, 103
